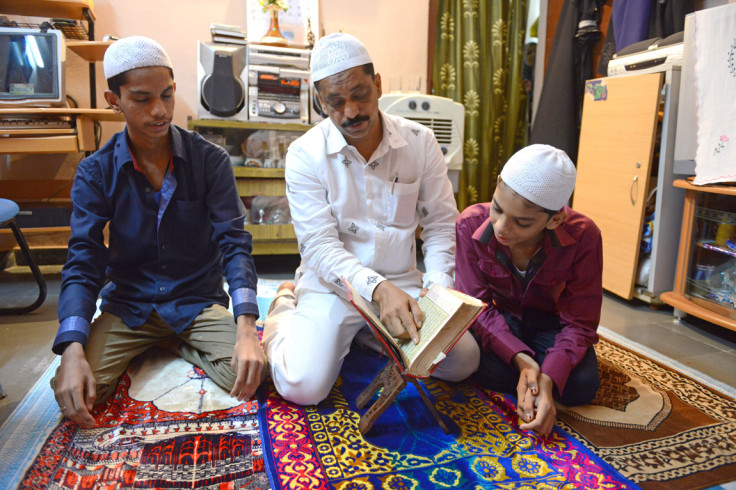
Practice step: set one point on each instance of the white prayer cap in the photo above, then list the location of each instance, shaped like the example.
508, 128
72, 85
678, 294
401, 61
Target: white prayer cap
542, 174
335, 53
133, 52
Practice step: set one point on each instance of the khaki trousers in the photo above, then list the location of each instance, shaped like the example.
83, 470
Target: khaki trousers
207, 343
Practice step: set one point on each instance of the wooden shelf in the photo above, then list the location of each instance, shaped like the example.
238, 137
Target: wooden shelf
66, 9
37, 132
42, 140
273, 239
227, 123
40, 144
259, 181
261, 187
708, 314
729, 190
94, 114
48, 237
271, 232
34, 191
259, 172
267, 239
681, 297
89, 50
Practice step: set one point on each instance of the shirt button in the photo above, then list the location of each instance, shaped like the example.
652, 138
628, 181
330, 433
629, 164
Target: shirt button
148, 189
163, 247
163, 267
162, 289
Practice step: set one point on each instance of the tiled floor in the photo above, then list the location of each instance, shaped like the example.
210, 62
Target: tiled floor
25, 341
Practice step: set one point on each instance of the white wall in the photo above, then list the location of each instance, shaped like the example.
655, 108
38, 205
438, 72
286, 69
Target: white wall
395, 33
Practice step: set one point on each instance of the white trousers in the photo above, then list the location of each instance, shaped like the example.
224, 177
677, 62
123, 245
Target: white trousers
306, 341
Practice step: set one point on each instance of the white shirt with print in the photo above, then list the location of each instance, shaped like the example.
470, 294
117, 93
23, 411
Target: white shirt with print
357, 219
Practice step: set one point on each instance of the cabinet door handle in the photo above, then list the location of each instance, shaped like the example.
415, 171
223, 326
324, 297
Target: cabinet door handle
634, 184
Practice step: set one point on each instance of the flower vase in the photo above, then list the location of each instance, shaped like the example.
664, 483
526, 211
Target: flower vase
273, 36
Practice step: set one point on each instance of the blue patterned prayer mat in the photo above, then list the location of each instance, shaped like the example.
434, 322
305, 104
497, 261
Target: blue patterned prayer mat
321, 446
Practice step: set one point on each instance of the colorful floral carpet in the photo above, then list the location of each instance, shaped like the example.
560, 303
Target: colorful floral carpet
321, 447
649, 427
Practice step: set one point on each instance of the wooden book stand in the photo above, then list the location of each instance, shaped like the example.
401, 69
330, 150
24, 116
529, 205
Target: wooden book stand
392, 382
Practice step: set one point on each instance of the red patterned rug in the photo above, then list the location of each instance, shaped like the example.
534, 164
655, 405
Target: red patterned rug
168, 426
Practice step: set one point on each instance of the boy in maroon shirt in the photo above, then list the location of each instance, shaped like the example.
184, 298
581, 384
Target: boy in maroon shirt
538, 265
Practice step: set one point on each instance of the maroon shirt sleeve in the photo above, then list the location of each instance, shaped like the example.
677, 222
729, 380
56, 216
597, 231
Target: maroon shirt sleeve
579, 307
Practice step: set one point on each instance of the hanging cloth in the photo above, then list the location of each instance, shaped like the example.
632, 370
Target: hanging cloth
715, 82
557, 121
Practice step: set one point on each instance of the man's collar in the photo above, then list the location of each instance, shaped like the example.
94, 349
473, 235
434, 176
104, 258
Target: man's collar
123, 153
391, 132
484, 234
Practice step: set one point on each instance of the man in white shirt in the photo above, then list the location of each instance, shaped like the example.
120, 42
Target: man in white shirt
359, 184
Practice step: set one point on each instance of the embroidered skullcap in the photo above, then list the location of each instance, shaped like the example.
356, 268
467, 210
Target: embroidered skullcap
542, 174
133, 52
335, 53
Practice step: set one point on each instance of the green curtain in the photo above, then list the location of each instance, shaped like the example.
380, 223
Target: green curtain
478, 60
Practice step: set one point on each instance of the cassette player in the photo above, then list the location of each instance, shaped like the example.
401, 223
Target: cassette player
278, 84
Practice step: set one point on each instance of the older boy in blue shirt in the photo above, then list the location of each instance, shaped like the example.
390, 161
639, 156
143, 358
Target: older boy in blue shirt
175, 228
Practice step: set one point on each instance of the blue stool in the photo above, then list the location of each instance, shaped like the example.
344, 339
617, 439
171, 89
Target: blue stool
8, 211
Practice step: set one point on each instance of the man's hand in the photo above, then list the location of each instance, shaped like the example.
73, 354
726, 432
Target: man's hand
248, 359
544, 418
76, 386
399, 311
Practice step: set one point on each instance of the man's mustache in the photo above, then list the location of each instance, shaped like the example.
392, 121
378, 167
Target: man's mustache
354, 121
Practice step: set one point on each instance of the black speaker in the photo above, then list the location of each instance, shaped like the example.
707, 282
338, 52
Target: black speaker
221, 90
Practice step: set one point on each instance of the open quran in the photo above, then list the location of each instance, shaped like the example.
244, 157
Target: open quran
447, 315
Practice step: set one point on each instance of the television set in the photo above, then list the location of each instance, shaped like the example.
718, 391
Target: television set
32, 67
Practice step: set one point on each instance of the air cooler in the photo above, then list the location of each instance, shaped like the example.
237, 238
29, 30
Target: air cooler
445, 117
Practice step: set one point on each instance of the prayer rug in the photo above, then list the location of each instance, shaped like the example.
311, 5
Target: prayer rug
320, 447
167, 426
660, 428
649, 427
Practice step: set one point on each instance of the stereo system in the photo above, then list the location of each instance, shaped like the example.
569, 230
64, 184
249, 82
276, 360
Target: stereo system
254, 83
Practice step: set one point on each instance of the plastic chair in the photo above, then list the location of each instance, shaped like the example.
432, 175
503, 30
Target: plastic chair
8, 211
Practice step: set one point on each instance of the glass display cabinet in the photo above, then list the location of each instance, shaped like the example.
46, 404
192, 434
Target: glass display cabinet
705, 283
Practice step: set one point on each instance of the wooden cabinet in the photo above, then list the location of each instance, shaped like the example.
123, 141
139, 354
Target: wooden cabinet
705, 284
79, 137
78, 134
626, 156
258, 151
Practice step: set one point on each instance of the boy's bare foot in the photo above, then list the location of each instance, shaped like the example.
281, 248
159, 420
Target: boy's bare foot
284, 285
